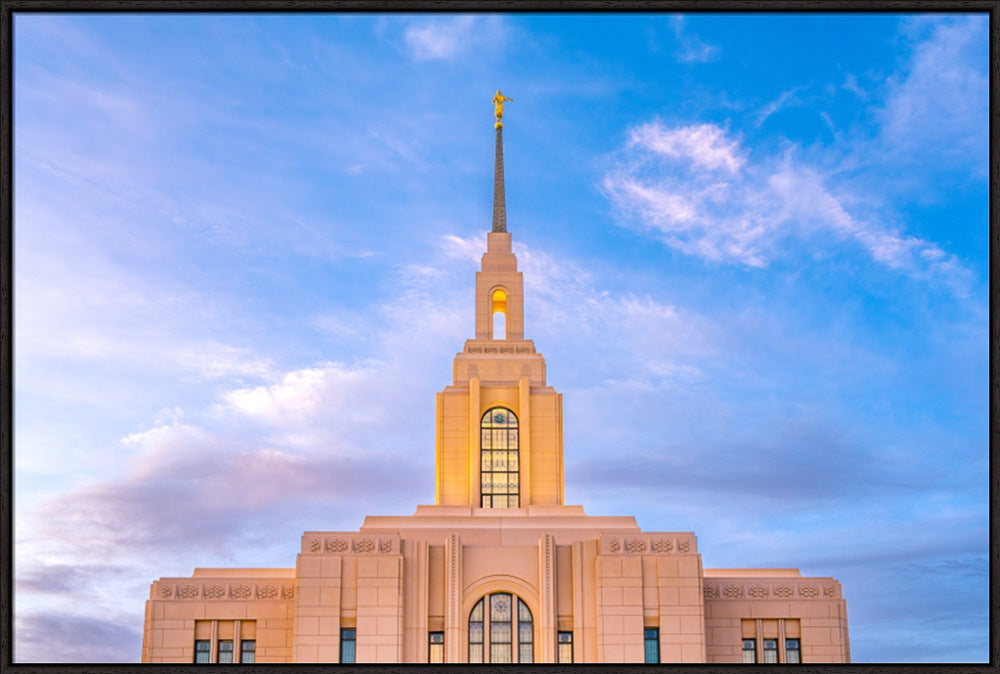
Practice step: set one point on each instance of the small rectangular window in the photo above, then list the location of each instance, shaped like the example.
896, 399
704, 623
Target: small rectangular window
348, 645
435, 647
225, 651
793, 654
202, 650
749, 651
770, 651
564, 646
248, 651
651, 638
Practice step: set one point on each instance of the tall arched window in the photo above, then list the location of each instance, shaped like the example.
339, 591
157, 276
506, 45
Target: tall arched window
496, 632
499, 483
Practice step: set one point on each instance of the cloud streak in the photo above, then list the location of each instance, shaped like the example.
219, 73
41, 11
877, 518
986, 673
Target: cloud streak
692, 187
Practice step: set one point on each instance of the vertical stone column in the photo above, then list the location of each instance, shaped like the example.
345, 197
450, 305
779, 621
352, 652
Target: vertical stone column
619, 607
380, 608
316, 621
416, 579
584, 601
453, 618
524, 438
681, 604
474, 433
547, 598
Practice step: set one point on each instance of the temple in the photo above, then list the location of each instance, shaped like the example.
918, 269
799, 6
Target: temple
499, 569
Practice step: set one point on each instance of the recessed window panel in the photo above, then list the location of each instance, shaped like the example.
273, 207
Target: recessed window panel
202, 650
498, 463
498, 634
225, 654
651, 643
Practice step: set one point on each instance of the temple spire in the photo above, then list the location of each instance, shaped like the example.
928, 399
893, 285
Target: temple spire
499, 201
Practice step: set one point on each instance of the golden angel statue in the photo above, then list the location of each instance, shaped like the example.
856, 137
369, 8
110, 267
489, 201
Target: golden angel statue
498, 107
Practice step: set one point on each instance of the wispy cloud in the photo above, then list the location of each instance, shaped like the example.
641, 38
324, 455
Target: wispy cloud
691, 48
936, 109
786, 99
448, 38
693, 188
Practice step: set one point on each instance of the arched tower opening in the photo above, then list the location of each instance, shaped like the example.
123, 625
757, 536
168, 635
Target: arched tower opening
498, 311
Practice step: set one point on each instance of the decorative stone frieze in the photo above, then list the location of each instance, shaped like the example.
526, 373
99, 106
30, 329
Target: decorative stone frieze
499, 349
783, 591
639, 545
209, 591
759, 590
348, 543
214, 591
733, 591
337, 545
661, 545
635, 545
809, 591
189, 592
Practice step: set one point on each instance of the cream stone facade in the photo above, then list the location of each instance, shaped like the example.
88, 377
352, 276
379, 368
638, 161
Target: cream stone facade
499, 569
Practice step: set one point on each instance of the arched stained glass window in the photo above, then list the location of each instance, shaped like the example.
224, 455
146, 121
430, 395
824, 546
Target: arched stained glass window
499, 476
498, 632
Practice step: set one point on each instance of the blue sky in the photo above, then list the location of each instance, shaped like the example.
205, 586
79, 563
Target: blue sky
755, 257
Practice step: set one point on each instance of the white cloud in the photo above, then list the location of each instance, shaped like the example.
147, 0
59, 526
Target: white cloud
709, 201
705, 145
937, 108
692, 49
783, 101
447, 38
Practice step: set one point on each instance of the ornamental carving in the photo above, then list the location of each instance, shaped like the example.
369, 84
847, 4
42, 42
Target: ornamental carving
662, 545
166, 591
783, 591
364, 545
267, 592
189, 591
614, 545
711, 591
336, 545
287, 591
809, 591
215, 591
758, 591
240, 592
733, 591
315, 545
684, 545
385, 545
830, 590
635, 545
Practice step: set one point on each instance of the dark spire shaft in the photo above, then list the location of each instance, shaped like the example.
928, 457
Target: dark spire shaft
499, 202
